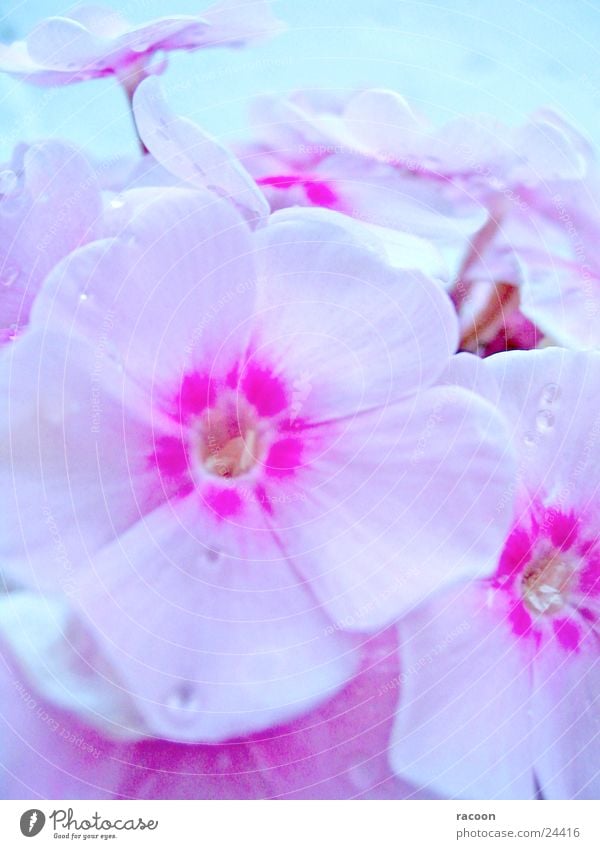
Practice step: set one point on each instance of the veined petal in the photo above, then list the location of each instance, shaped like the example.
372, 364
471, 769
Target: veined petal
401, 502
212, 644
462, 727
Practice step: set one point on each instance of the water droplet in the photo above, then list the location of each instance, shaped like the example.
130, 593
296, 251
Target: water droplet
8, 182
550, 393
211, 555
183, 699
544, 421
84, 296
529, 440
117, 202
9, 275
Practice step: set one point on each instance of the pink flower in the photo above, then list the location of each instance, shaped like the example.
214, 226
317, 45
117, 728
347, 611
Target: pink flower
501, 676
380, 125
309, 150
226, 447
50, 203
96, 41
181, 148
511, 209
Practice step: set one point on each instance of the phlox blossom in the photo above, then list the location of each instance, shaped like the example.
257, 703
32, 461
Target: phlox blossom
227, 446
93, 41
501, 676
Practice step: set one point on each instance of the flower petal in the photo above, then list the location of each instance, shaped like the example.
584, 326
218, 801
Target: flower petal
212, 644
400, 503
176, 279
548, 397
72, 472
565, 701
337, 751
365, 332
462, 727
56, 208
193, 155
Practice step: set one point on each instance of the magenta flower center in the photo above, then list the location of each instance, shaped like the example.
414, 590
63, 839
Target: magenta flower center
240, 427
227, 438
547, 581
550, 567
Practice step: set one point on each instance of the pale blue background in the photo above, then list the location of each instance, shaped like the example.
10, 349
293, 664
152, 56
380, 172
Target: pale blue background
454, 56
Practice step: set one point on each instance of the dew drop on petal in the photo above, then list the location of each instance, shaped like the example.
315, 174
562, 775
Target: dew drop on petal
544, 421
9, 275
550, 394
183, 698
529, 440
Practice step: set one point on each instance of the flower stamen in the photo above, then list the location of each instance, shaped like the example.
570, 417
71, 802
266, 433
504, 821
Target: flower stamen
546, 582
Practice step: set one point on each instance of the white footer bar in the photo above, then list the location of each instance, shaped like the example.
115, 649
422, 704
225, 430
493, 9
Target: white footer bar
301, 824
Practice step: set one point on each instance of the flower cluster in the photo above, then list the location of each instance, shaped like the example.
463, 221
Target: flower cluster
300, 464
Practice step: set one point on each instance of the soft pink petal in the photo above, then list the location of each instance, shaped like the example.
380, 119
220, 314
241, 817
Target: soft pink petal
565, 705
548, 397
15, 60
47, 752
401, 502
55, 206
337, 751
73, 475
469, 371
376, 192
214, 638
385, 124
178, 278
192, 155
92, 41
563, 299
463, 724
63, 44
546, 152
56, 653
360, 332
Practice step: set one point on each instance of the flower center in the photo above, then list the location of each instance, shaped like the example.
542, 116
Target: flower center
546, 582
227, 439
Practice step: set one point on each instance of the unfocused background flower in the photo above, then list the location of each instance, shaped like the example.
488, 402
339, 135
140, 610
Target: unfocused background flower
498, 202
95, 41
